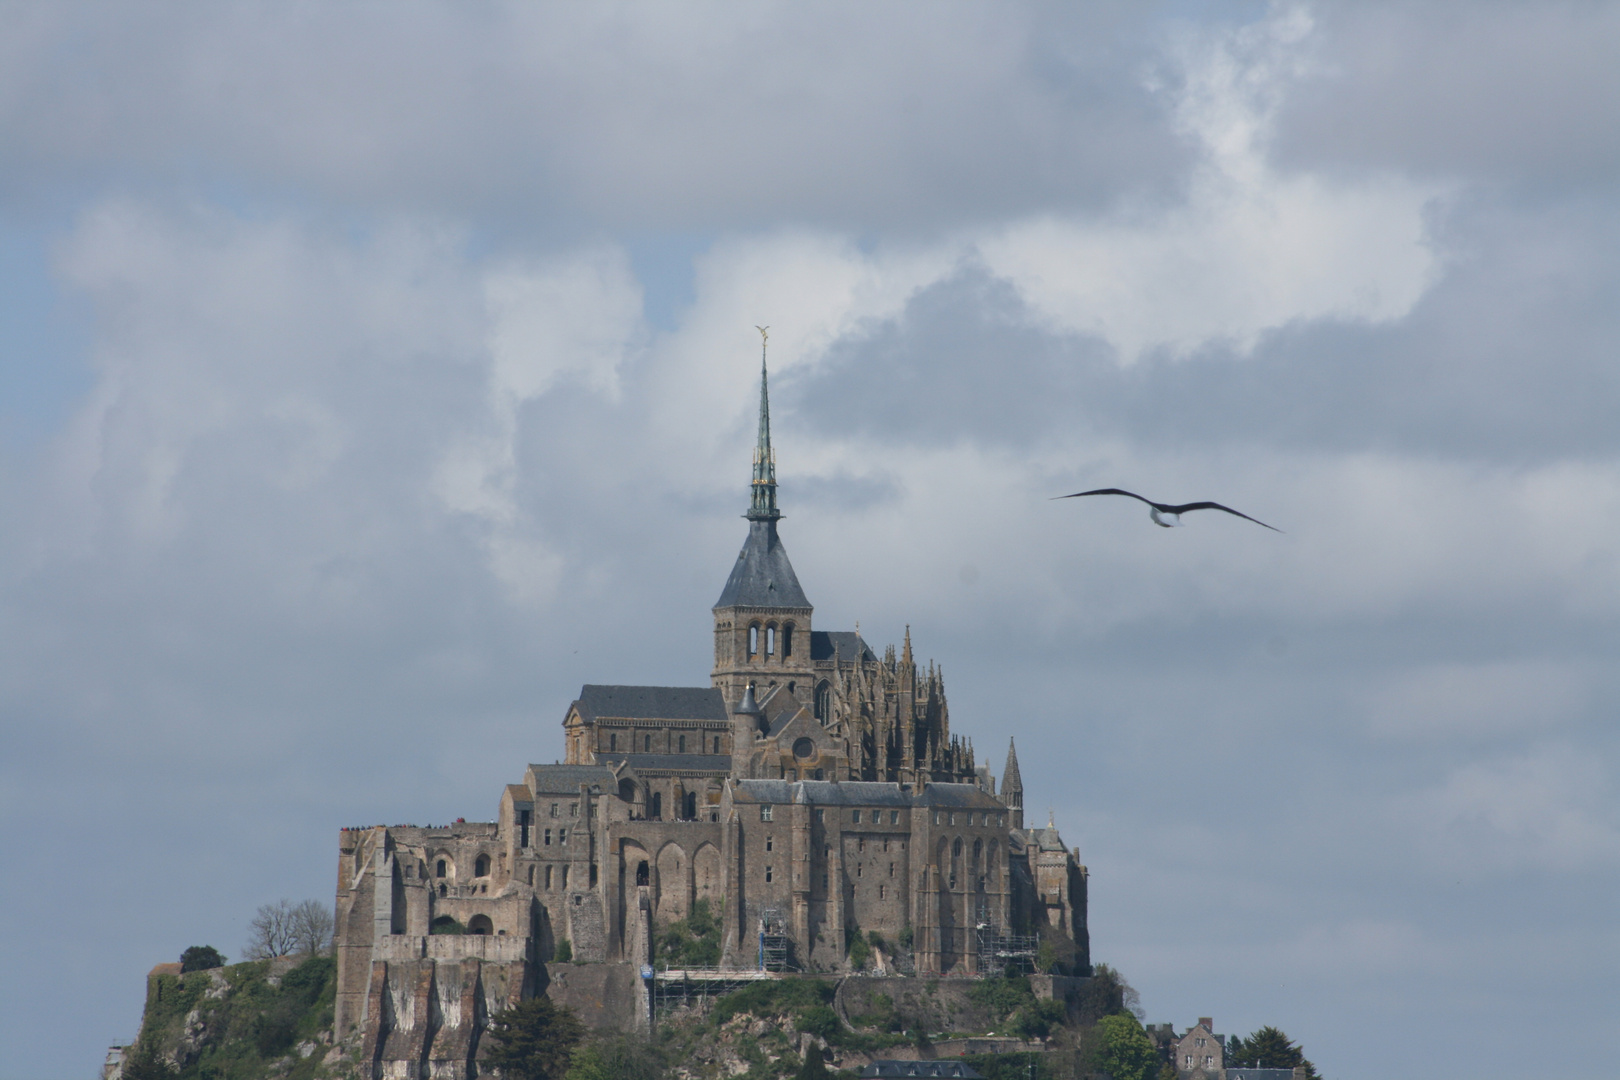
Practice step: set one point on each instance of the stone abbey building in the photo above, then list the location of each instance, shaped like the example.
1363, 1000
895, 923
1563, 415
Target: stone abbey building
811, 790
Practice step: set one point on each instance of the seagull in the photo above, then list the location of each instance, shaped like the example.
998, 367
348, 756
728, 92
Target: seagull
1165, 508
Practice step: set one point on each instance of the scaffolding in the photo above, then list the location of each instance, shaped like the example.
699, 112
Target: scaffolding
775, 947
999, 949
680, 988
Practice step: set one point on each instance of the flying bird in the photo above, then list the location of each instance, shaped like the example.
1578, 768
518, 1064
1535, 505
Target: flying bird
1156, 509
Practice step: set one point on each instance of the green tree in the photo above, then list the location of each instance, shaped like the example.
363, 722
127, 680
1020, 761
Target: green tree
200, 958
814, 1068
1267, 1048
563, 953
616, 1057
533, 1040
1125, 1052
146, 1064
1035, 1020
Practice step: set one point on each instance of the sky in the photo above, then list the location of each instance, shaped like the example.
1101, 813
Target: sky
373, 376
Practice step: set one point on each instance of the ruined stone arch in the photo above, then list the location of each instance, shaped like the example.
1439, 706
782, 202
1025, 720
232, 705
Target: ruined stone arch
480, 924
706, 877
674, 883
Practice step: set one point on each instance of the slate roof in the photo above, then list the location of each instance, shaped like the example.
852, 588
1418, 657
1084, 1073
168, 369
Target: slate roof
847, 643
709, 763
650, 702
762, 575
956, 1070
519, 792
861, 793
565, 779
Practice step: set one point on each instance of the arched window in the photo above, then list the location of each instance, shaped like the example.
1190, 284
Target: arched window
691, 806
717, 744
439, 869
531, 875
956, 848
787, 640
643, 876
753, 639
613, 743
481, 867
770, 639
442, 890
824, 701
480, 924
548, 877
657, 811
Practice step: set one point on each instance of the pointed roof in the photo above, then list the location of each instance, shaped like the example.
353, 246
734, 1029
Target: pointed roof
1010, 780
762, 575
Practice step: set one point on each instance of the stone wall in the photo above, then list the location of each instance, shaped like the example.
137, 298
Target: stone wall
607, 997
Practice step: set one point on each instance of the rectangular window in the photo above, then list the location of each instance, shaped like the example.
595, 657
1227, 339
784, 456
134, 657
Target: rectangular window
613, 743
859, 868
891, 869
548, 838
565, 877
682, 744
548, 877
768, 846
646, 744
821, 815
936, 817
882, 891
952, 817
765, 813
717, 744
856, 818
824, 881
767, 874
562, 836
1001, 820
894, 817
860, 845
553, 809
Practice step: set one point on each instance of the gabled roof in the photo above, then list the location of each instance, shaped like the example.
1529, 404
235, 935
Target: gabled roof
650, 703
565, 779
847, 644
762, 575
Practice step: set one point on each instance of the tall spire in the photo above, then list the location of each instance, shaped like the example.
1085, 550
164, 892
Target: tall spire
762, 499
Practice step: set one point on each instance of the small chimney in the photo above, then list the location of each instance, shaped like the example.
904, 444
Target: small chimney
1208, 1024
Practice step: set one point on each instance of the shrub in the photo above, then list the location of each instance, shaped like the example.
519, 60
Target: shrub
818, 1020
906, 936
200, 958
445, 924
860, 953
1002, 997
693, 941
563, 953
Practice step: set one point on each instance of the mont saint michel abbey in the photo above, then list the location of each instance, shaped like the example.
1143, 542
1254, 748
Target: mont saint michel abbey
812, 790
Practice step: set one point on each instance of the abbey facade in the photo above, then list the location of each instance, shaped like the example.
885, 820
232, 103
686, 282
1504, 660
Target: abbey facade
811, 791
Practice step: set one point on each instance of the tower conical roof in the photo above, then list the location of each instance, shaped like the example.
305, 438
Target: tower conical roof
1010, 780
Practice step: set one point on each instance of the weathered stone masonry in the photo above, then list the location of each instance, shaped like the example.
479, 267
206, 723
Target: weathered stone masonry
810, 779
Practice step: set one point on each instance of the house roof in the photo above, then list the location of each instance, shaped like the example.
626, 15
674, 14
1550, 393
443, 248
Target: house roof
650, 703
652, 763
565, 779
762, 575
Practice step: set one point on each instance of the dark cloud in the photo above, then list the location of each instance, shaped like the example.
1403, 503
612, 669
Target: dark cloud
647, 119
1520, 94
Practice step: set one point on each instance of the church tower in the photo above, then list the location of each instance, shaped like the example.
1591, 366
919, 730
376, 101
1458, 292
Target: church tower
762, 619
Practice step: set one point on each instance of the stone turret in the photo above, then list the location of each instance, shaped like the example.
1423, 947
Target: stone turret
1012, 786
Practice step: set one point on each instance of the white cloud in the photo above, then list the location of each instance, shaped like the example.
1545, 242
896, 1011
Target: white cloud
1251, 249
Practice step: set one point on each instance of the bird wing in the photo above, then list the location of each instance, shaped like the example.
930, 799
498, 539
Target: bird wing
1116, 491
1185, 507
